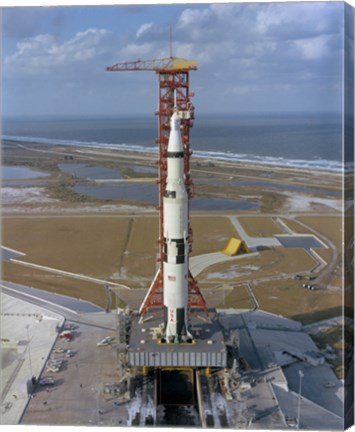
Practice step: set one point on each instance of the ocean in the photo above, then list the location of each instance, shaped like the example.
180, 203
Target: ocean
311, 141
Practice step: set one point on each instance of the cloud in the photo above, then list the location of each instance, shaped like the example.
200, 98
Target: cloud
251, 56
219, 35
143, 28
134, 51
299, 20
267, 50
313, 48
43, 53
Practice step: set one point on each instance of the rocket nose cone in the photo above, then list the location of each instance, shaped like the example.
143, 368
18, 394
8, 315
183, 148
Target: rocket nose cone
175, 122
175, 142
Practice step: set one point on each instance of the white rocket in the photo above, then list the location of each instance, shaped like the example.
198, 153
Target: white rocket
176, 248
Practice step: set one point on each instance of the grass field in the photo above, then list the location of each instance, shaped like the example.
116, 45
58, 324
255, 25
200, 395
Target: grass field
239, 297
268, 263
261, 226
326, 254
91, 246
287, 297
140, 260
122, 249
54, 283
329, 226
295, 226
211, 234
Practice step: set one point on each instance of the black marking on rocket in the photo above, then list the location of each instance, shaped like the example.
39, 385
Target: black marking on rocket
175, 154
180, 250
180, 320
169, 194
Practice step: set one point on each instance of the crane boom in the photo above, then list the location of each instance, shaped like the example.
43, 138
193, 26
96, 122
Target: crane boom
165, 64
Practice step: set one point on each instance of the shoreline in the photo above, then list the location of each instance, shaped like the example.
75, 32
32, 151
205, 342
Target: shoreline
197, 156
242, 183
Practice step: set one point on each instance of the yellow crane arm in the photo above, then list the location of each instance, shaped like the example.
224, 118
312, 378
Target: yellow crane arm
165, 64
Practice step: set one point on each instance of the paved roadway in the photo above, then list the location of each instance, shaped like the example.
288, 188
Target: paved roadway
79, 311
201, 262
56, 302
66, 273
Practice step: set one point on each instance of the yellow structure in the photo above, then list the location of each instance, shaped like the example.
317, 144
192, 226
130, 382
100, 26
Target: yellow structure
159, 65
235, 247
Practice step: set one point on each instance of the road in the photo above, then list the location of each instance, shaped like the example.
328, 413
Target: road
201, 262
75, 310
55, 302
70, 274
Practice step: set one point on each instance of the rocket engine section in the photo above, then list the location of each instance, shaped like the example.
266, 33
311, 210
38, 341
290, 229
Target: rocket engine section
176, 248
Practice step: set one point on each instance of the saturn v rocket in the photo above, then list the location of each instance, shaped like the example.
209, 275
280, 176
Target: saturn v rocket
176, 248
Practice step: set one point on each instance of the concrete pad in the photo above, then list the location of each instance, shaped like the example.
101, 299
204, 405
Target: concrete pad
312, 416
78, 396
28, 333
320, 385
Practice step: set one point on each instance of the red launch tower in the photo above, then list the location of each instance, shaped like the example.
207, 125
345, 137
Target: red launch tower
173, 83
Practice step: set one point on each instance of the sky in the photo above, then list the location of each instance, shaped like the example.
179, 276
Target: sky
252, 57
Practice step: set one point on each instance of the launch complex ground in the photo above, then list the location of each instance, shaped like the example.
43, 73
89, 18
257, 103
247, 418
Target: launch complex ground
71, 244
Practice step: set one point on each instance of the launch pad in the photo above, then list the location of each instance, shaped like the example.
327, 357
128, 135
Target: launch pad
208, 348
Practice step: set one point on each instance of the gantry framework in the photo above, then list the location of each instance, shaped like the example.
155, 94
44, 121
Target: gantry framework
173, 87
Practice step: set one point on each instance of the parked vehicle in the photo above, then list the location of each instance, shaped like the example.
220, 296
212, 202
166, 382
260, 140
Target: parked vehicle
70, 327
106, 341
47, 381
55, 362
54, 365
67, 335
53, 369
69, 353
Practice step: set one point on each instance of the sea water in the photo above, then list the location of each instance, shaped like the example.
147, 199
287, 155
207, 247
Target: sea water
311, 141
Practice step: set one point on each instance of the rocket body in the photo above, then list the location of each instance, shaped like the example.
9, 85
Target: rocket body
176, 248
